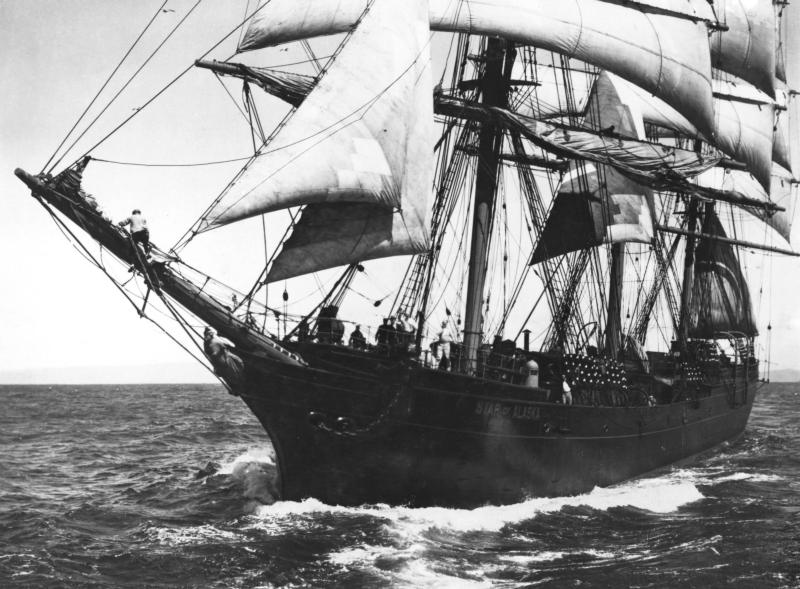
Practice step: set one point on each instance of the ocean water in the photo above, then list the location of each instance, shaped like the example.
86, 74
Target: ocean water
171, 486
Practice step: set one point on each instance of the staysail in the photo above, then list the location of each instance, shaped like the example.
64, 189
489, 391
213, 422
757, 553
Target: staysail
720, 296
595, 203
667, 56
357, 152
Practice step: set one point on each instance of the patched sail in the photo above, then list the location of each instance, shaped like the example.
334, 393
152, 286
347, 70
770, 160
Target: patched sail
364, 134
747, 48
720, 297
667, 56
596, 204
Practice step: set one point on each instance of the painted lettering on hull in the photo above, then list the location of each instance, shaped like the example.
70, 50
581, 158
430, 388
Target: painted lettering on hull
508, 410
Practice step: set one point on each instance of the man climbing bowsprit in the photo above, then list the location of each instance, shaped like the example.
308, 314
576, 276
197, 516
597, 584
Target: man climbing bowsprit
138, 229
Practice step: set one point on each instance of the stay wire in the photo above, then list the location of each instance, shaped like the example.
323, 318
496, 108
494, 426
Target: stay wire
182, 165
103, 87
121, 90
173, 81
90, 257
228, 92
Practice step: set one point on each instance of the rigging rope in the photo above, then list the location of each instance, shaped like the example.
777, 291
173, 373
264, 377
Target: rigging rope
121, 90
175, 165
173, 81
228, 92
103, 87
90, 257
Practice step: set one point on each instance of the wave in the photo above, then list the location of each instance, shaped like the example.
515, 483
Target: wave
407, 552
659, 495
258, 455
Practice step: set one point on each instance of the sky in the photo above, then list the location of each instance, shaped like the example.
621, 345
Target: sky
59, 314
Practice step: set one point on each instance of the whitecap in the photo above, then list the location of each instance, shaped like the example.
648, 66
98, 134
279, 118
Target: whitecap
259, 455
203, 534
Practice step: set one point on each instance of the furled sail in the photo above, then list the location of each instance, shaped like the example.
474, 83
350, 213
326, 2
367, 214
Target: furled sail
667, 56
720, 296
743, 122
658, 166
783, 193
595, 203
357, 152
747, 48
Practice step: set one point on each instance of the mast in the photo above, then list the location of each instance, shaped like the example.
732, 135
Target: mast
688, 273
614, 318
494, 90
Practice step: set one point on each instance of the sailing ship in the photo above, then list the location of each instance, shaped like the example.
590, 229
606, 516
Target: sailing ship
569, 200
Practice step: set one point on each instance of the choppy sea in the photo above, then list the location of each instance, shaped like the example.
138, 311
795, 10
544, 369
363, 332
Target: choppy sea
171, 486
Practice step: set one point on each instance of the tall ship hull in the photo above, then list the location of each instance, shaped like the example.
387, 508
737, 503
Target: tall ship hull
427, 440
351, 426
574, 191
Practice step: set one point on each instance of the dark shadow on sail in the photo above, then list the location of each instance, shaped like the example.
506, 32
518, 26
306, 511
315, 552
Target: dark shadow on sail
720, 296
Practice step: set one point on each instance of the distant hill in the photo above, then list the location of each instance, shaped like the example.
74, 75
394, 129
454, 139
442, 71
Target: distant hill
144, 374
785, 375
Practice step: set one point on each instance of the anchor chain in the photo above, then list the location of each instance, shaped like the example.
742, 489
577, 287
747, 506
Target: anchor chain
343, 428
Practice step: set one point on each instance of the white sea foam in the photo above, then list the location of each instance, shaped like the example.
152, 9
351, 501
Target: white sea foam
715, 475
366, 553
407, 541
418, 573
260, 455
749, 476
254, 470
659, 495
549, 556
204, 534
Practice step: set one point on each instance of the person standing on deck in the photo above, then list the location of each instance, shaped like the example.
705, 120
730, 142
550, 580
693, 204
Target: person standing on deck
566, 392
443, 347
139, 231
357, 339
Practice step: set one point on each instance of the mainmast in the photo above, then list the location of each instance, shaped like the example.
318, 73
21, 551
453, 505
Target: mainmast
688, 273
494, 93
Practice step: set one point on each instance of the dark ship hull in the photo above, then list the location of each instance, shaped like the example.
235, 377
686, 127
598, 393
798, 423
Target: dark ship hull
403, 434
352, 427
